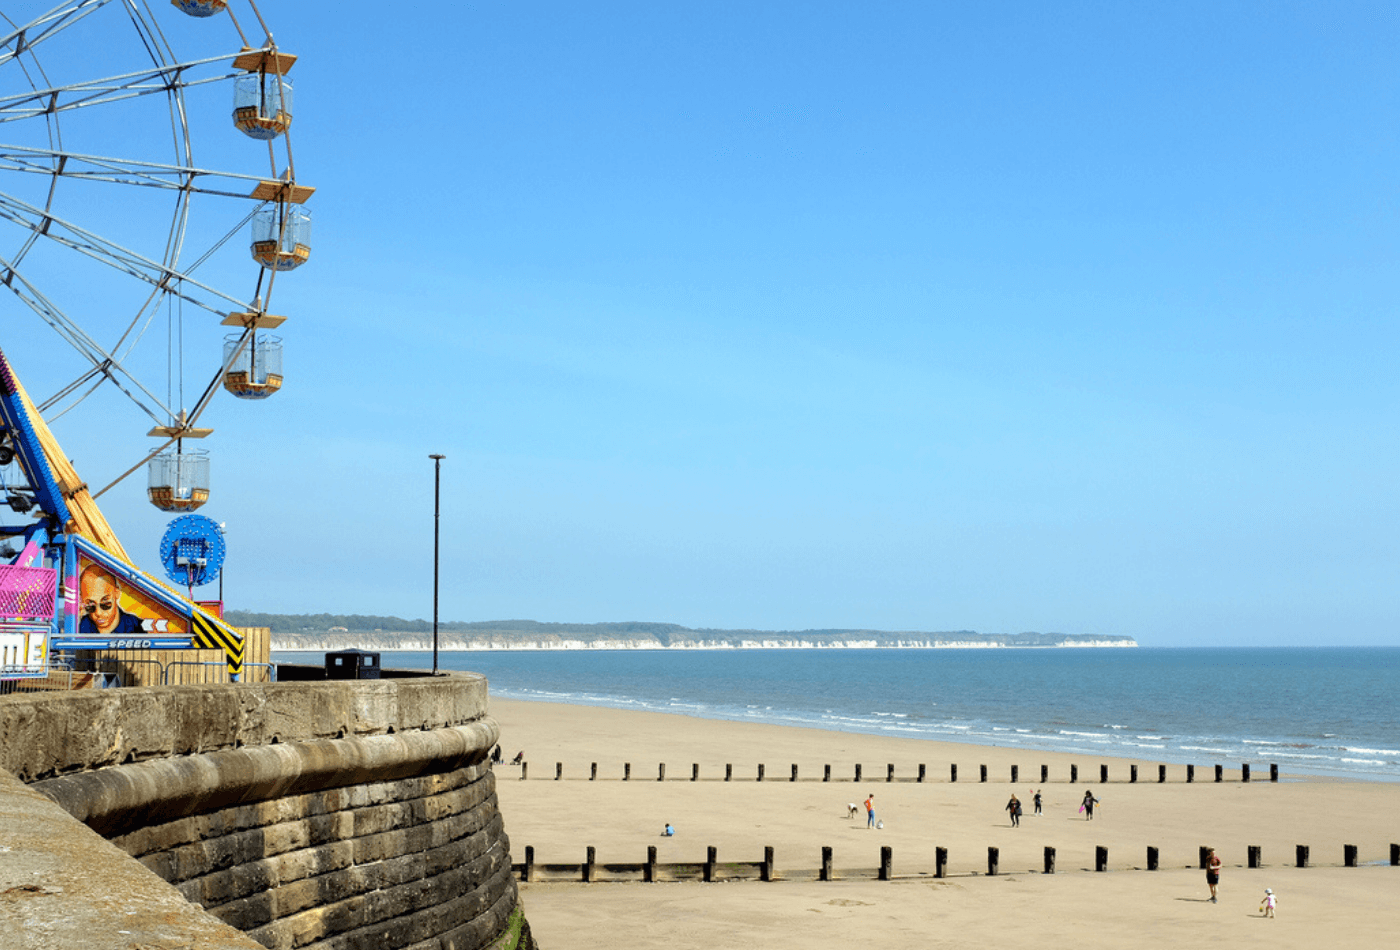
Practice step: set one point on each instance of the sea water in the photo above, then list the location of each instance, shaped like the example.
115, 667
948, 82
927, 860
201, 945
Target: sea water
1327, 711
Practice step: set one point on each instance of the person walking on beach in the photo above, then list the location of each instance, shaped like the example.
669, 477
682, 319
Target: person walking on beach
870, 811
1212, 871
1014, 807
1036, 800
1266, 906
1087, 806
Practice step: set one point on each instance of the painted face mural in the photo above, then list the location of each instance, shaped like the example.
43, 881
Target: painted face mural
101, 599
106, 607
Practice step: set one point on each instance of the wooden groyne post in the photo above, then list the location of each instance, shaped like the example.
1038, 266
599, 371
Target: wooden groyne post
1153, 858
889, 772
1256, 854
1103, 774
1100, 858
1015, 774
558, 771
826, 863
529, 874
826, 774
661, 772
1049, 860
1349, 855
711, 861
1244, 772
695, 771
993, 859
953, 772
794, 773
1302, 855
1073, 773
649, 873
590, 865
940, 862
593, 773
765, 873
1044, 774
886, 862
984, 774
626, 771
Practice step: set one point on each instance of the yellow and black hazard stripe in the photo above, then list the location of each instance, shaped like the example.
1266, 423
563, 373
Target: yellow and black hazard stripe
210, 634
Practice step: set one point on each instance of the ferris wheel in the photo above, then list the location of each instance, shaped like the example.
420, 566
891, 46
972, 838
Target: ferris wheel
143, 145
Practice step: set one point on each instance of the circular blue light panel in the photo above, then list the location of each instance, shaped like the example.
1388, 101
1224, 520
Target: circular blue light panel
192, 550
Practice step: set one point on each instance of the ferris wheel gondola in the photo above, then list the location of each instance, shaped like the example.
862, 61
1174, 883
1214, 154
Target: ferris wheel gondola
100, 119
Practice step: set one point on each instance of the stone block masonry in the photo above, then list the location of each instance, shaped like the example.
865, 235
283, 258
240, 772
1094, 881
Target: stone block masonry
309, 815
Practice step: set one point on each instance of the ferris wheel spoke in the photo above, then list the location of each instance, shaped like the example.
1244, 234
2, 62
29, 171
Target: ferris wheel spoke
103, 362
97, 92
44, 27
65, 164
108, 252
55, 318
46, 408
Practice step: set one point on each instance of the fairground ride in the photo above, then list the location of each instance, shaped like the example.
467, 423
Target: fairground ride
125, 199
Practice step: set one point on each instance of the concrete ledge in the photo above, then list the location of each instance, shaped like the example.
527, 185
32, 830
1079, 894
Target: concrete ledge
43, 735
62, 886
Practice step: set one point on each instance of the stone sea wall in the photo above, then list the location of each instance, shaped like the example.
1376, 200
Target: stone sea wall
314, 815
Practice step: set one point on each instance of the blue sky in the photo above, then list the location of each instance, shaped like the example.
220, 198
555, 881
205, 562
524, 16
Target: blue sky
907, 316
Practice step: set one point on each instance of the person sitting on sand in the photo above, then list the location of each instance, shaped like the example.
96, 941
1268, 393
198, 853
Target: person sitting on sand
669, 832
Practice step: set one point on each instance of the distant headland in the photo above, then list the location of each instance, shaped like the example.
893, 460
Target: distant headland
316, 632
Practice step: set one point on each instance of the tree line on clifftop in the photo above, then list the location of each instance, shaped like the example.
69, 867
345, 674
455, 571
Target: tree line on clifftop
665, 634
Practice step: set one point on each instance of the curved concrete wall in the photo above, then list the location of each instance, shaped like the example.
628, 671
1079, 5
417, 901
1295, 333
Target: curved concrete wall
311, 814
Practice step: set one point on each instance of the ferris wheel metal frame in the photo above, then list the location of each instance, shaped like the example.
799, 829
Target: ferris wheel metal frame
169, 277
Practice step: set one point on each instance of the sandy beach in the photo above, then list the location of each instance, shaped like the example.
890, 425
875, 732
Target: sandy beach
1020, 906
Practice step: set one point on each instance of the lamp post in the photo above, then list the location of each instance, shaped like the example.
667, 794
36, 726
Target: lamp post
437, 517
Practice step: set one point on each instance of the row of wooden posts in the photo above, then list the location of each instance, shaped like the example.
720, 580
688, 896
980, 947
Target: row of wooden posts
651, 871
922, 775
